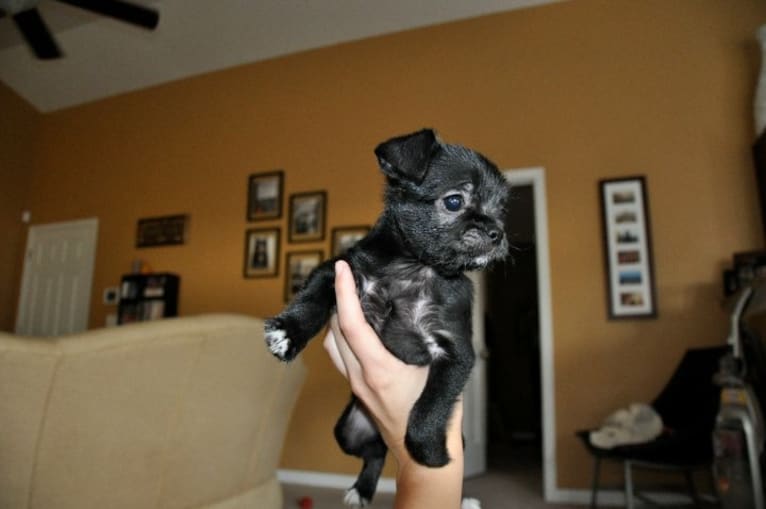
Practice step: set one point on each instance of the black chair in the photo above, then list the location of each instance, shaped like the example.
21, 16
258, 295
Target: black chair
688, 406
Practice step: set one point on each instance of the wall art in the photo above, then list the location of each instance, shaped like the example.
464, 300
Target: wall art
343, 237
161, 231
307, 216
264, 196
261, 252
628, 248
299, 266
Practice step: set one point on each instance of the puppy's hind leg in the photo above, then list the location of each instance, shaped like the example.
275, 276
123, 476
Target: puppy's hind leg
361, 493
357, 435
289, 332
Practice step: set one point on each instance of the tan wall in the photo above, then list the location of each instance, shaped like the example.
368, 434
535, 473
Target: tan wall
18, 128
588, 89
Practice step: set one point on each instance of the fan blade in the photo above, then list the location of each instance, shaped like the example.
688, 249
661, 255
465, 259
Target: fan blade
34, 30
123, 11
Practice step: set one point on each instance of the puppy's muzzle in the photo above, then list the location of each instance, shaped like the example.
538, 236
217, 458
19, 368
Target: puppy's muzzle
483, 239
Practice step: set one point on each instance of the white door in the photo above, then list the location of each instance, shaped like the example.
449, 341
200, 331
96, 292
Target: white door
57, 277
475, 393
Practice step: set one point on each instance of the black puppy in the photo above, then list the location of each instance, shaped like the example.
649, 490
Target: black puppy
444, 211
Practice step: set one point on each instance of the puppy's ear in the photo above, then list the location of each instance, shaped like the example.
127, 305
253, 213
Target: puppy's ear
407, 156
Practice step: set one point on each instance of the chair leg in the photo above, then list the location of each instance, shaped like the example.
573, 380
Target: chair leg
713, 490
594, 483
692, 489
628, 485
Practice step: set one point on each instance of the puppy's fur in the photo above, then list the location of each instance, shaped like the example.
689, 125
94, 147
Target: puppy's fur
444, 211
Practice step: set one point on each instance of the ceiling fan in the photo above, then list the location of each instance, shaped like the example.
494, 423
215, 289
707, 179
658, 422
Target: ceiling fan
31, 25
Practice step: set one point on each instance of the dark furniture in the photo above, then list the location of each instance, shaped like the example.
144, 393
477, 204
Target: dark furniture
148, 297
688, 406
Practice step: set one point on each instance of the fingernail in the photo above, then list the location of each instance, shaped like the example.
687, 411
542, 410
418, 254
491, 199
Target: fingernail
340, 266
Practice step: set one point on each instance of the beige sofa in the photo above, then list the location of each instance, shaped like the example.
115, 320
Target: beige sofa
189, 412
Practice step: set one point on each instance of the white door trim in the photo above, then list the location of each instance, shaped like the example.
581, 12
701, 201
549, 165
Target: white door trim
536, 178
475, 392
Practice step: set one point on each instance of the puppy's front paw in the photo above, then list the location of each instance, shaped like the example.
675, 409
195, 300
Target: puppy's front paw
277, 340
428, 451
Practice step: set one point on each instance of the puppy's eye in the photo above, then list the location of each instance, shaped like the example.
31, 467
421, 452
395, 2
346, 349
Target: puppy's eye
453, 202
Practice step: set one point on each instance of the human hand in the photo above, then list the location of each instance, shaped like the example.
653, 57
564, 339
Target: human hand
387, 386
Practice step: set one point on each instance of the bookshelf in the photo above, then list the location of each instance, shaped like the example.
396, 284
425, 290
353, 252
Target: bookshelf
148, 297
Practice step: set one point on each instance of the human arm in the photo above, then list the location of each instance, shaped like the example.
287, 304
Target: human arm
389, 388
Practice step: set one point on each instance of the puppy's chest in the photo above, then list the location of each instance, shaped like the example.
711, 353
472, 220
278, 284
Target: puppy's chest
410, 298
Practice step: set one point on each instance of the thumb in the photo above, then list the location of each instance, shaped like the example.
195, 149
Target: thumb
351, 321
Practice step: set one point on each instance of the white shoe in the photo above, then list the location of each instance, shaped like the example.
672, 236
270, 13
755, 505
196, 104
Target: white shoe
470, 503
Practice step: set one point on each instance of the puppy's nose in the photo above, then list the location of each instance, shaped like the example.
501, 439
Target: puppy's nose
495, 235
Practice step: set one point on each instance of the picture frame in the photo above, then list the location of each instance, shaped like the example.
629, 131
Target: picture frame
299, 265
261, 252
628, 248
264, 195
308, 212
162, 231
343, 237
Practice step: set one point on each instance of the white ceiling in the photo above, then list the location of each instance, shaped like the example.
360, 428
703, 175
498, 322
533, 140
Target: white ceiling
104, 57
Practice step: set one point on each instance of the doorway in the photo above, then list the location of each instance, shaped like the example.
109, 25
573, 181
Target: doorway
511, 326
529, 423
57, 277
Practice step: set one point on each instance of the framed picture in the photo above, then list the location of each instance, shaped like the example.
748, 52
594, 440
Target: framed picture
628, 248
299, 266
307, 216
161, 231
264, 196
261, 252
343, 237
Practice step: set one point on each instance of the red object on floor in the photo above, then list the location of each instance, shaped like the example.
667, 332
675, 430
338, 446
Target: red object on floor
305, 503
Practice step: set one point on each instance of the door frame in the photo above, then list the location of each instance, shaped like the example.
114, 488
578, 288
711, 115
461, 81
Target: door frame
535, 177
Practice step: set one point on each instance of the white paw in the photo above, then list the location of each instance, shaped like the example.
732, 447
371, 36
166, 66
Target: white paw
470, 503
354, 499
278, 342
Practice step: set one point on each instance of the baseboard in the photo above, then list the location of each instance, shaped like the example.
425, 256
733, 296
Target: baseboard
614, 498
325, 480
582, 497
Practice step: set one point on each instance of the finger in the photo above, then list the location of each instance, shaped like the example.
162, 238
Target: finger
353, 325
347, 356
354, 372
457, 410
350, 313
455, 428
332, 350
